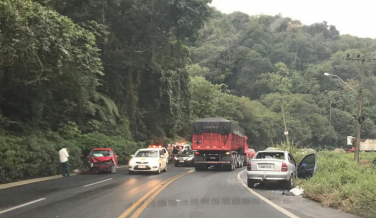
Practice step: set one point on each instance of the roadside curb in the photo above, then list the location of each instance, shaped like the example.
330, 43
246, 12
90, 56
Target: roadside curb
29, 181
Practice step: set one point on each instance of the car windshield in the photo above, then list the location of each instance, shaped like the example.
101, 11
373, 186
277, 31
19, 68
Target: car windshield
147, 154
101, 153
271, 155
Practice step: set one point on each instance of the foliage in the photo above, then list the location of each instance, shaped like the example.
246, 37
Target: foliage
341, 183
24, 157
272, 58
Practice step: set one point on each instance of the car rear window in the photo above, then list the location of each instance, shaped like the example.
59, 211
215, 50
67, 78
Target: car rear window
271, 155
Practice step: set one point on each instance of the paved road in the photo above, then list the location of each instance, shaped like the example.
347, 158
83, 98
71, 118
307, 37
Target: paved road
181, 192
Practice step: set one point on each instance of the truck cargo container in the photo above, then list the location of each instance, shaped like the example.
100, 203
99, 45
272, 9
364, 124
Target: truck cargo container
218, 142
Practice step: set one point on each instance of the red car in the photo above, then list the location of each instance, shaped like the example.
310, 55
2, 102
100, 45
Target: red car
102, 159
250, 153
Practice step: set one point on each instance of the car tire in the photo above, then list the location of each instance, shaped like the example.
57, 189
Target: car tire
176, 164
130, 172
159, 170
113, 169
250, 183
165, 169
289, 183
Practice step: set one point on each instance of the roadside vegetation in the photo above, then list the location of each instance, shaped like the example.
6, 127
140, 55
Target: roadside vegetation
127, 73
341, 183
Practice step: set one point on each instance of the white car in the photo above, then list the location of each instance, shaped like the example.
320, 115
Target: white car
279, 166
148, 160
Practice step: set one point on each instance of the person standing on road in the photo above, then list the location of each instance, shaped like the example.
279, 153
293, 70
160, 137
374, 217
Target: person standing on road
63, 153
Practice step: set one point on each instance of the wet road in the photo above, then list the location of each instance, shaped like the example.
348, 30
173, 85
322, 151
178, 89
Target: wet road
180, 192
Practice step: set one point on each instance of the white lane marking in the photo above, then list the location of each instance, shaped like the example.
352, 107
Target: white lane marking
22, 205
97, 182
282, 210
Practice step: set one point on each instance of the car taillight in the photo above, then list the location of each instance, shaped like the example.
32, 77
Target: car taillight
284, 167
197, 152
249, 166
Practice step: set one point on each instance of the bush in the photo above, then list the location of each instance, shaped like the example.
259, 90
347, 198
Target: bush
37, 155
341, 183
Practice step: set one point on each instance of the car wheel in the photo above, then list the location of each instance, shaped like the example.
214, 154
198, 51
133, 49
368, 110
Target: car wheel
113, 169
176, 164
289, 183
165, 169
130, 172
159, 170
250, 183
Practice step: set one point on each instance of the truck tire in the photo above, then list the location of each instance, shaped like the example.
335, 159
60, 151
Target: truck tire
232, 165
198, 168
250, 183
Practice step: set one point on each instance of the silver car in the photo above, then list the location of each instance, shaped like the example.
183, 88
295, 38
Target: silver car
279, 166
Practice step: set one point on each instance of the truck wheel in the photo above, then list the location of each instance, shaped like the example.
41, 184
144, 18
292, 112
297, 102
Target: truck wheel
250, 183
198, 168
113, 169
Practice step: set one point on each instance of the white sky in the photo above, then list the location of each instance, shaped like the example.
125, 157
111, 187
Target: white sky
356, 18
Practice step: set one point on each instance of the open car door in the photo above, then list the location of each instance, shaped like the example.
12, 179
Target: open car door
308, 166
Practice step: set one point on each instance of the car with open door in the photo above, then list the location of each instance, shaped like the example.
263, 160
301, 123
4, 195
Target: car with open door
279, 166
102, 159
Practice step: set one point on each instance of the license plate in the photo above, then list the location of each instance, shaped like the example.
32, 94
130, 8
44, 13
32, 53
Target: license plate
266, 166
142, 167
182, 161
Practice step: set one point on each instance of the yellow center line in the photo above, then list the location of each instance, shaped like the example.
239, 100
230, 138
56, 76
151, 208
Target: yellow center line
141, 209
135, 205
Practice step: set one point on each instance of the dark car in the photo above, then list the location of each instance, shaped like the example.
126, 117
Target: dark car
185, 158
102, 159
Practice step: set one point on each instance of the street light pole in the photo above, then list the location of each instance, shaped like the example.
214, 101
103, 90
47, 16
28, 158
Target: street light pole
328, 74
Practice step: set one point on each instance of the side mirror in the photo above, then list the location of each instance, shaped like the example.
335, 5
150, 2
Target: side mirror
116, 156
132, 155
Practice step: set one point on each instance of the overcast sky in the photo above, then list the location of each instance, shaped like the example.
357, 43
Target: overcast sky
357, 18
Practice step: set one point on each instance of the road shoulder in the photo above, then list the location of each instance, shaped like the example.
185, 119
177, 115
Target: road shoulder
301, 207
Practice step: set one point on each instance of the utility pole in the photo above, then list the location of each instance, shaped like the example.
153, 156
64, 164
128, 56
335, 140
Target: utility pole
330, 111
359, 118
284, 122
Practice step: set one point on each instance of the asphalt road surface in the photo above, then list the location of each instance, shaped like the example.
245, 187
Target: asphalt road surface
180, 192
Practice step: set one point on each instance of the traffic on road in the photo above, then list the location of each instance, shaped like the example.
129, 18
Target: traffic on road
206, 179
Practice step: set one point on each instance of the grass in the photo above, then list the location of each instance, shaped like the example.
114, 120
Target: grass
341, 183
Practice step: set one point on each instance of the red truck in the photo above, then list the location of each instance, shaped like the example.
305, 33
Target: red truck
218, 142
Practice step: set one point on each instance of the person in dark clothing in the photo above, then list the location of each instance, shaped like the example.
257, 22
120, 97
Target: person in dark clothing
175, 150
